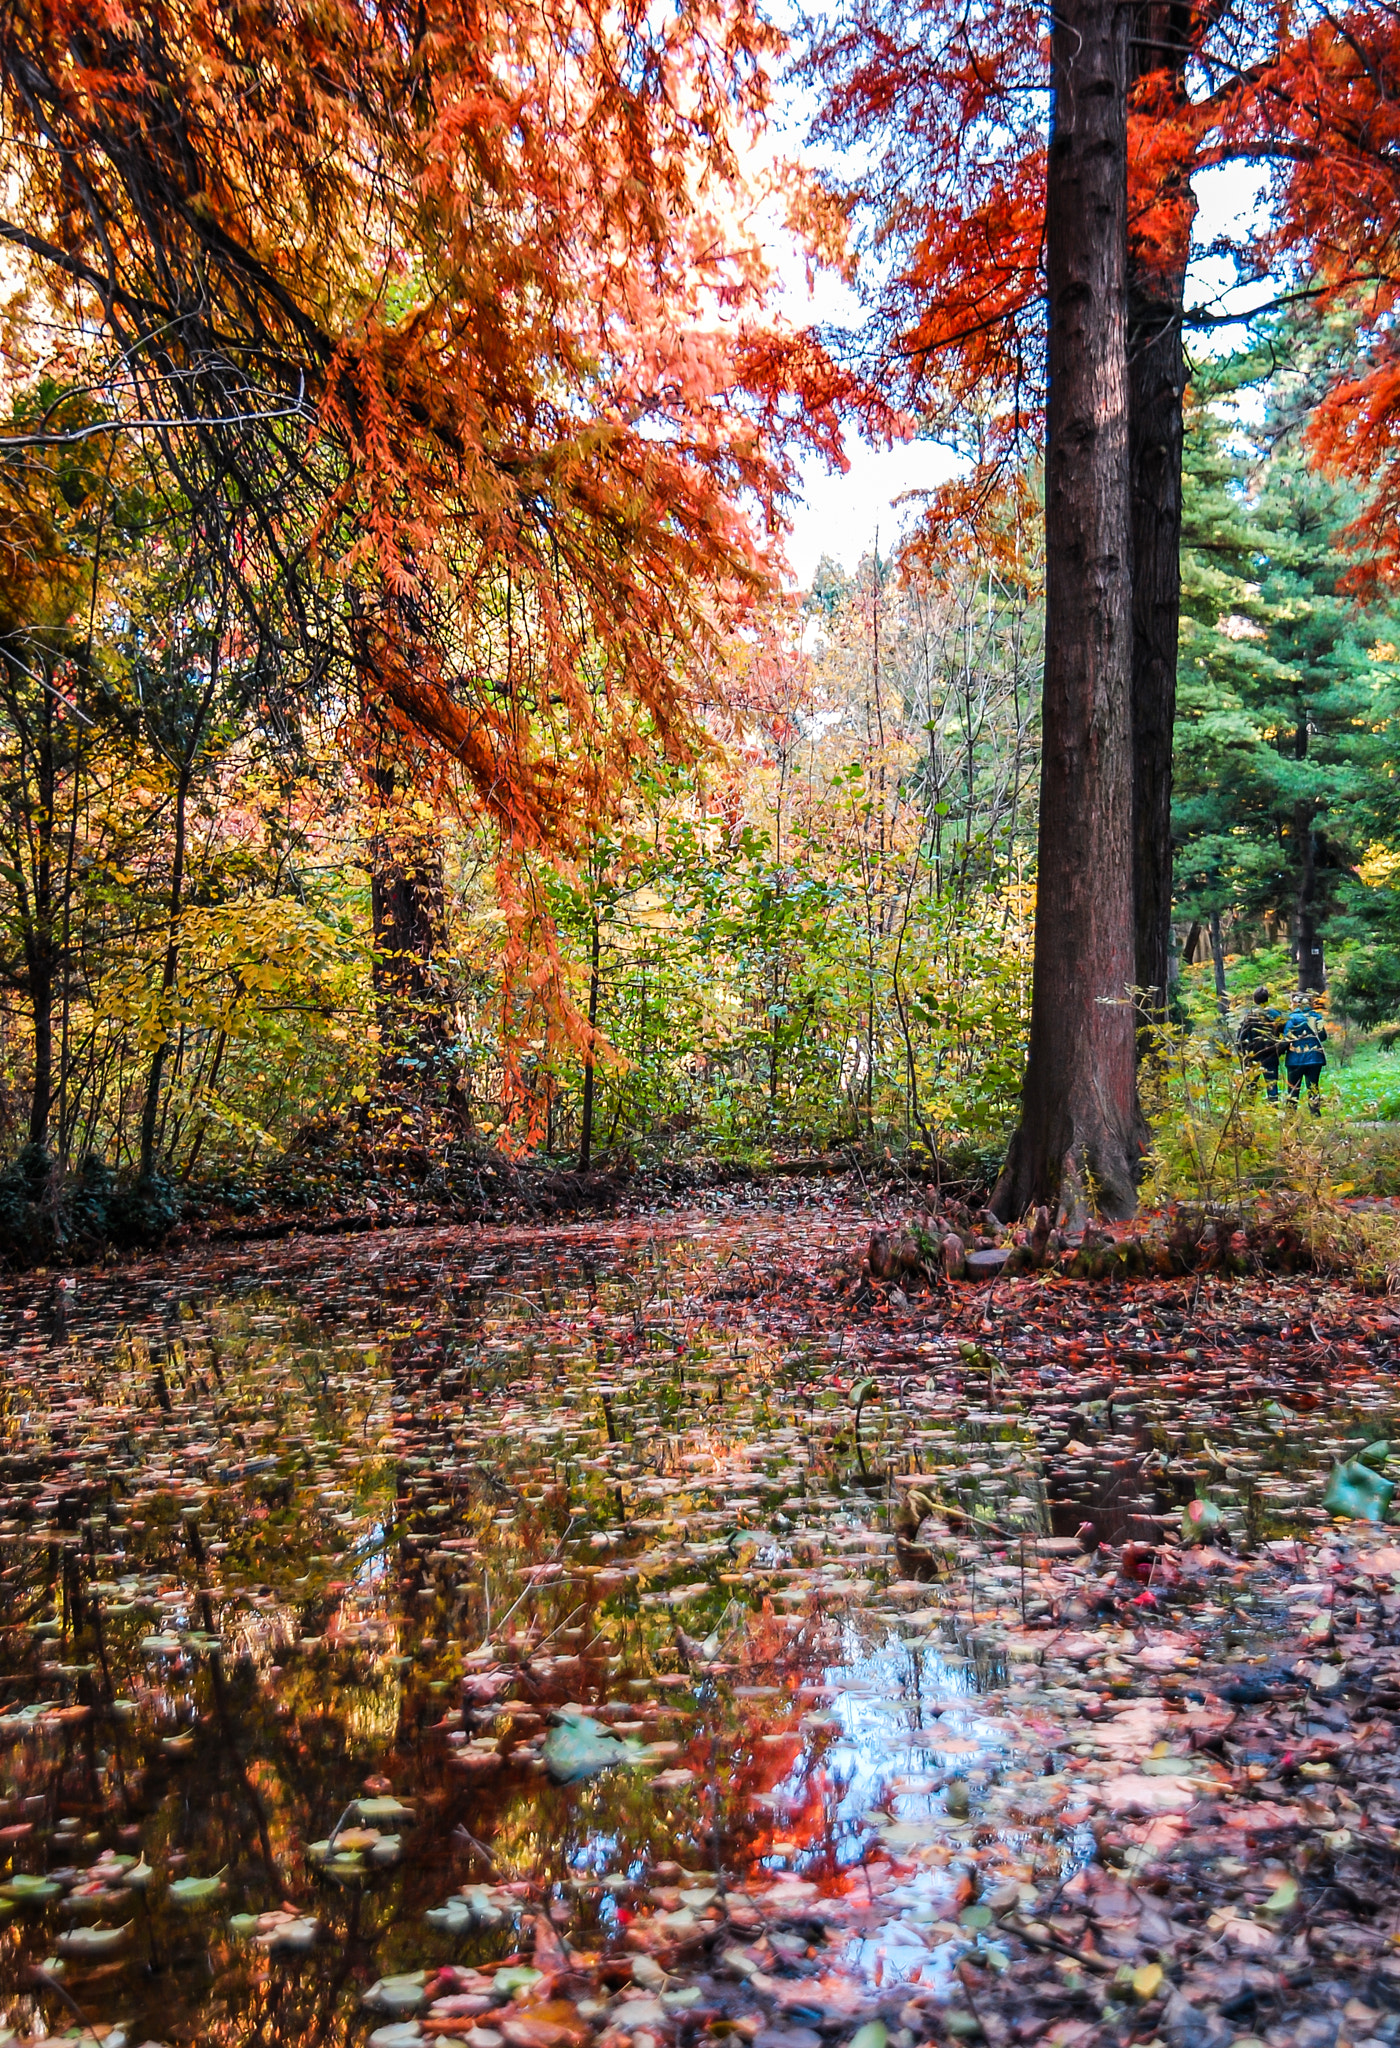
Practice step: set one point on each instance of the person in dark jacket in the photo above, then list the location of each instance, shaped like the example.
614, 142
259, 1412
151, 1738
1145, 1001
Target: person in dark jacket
1257, 1040
1303, 1057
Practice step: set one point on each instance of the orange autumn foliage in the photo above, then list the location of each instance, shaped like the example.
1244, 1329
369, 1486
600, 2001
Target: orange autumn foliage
458, 308
954, 202
1335, 100
953, 193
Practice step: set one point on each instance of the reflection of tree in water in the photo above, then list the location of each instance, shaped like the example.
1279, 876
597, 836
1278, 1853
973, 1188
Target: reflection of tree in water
406, 1519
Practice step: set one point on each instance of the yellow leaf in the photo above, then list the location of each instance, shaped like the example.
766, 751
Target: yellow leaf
1380, 865
1147, 1981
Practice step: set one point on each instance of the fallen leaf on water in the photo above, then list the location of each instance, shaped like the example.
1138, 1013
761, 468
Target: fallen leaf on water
1137, 1793
1147, 1981
577, 1748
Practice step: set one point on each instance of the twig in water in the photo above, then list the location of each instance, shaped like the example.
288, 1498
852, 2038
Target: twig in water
469, 1841
533, 1586
557, 1626
52, 1984
1062, 1948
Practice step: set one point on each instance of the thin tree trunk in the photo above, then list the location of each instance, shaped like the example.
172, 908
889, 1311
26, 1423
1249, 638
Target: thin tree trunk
1156, 391
1217, 954
42, 962
210, 1082
773, 1027
408, 915
1312, 963
65, 947
585, 1143
41, 1093
184, 777
915, 1113
1079, 1136
407, 898
150, 1108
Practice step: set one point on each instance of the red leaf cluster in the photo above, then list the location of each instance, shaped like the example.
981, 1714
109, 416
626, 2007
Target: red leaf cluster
1334, 100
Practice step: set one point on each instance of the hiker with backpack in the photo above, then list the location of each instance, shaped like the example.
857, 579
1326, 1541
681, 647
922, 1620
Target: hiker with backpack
1303, 1057
1257, 1041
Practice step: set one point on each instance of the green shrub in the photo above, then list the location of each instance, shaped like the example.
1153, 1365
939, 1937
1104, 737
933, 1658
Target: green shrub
1368, 986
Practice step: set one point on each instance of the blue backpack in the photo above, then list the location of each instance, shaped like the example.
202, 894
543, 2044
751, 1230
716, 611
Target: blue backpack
1303, 1034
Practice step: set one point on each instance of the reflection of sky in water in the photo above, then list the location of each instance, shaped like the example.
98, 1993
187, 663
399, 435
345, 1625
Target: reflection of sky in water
482, 1462
878, 1700
597, 1856
370, 1550
879, 1697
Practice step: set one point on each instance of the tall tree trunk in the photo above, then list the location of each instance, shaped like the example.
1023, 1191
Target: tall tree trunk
1312, 962
407, 899
1217, 954
42, 963
150, 1108
1158, 51
1079, 1135
407, 908
41, 1092
585, 1143
184, 764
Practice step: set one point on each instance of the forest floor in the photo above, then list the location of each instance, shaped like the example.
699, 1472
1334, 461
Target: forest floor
361, 1187
609, 1637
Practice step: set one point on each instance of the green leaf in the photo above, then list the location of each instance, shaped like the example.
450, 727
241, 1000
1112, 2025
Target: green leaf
93, 1941
519, 1977
24, 1890
398, 1994
373, 1811
193, 1892
1354, 1490
578, 1748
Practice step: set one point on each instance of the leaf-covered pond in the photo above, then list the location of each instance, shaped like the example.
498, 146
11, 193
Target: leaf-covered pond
612, 1638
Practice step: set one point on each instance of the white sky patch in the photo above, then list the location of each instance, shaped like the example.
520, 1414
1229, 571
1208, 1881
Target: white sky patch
841, 515
1231, 200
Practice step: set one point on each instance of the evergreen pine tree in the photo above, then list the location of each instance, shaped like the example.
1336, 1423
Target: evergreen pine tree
1288, 687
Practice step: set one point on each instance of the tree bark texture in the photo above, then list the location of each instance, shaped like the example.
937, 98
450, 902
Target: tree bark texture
1217, 954
44, 956
408, 912
1310, 952
585, 1147
150, 1110
1157, 262
408, 905
1078, 1142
